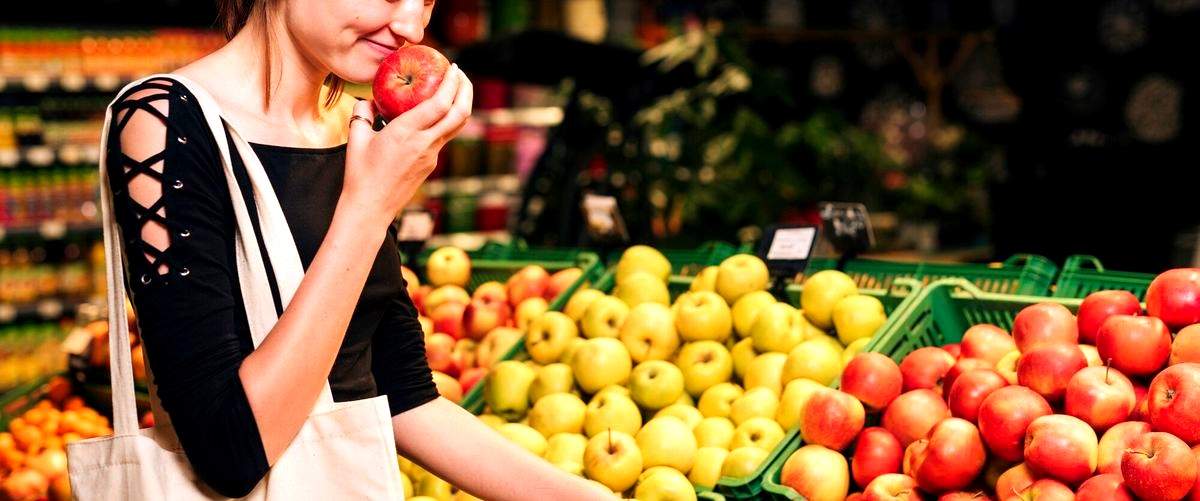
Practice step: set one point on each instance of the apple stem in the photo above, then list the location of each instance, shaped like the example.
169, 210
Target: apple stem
1107, 369
610, 444
1148, 454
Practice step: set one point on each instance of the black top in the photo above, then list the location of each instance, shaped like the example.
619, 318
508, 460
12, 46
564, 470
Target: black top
190, 311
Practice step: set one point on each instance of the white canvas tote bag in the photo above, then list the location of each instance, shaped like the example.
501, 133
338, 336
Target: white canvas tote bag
344, 450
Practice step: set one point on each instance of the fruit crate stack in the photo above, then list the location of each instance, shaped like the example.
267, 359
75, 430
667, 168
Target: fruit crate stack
1082, 275
1027, 274
1065, 405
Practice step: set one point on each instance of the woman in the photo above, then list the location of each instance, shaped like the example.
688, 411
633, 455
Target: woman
278, 81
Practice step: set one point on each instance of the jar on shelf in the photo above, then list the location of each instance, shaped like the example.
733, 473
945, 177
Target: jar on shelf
461, 198
465, 152
491, 211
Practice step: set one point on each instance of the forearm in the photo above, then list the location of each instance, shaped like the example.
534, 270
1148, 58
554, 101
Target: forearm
441, 437
284, 376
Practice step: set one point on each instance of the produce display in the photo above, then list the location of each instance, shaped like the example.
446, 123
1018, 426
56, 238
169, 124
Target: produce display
654, 398
1090, 400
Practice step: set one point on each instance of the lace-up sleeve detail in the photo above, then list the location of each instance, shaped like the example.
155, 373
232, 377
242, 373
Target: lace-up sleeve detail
172, 203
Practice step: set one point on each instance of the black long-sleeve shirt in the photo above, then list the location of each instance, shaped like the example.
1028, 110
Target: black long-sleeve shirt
190, 311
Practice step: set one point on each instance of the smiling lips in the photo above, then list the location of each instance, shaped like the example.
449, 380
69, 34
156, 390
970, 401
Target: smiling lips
382, 49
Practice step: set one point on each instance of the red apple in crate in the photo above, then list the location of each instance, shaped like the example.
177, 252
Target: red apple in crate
876, 452
831, 418
1174, 297
439, 352
1159, 466
463, 354
964, 496
873, 378
817, 473
912, 414
970, 390
1007, 366
1044, 323
1005, 416
1046, 489
1048, 368
925, 367
1105, 487
560, 281
988, 342
950, 457
1174, 401
1014, 480
482, 315
418, 298
470, 377
407, 77
411, 282
892, 487
445, 294
530, 281
954, 349
495, 345
1092, 355
448, 319
961, 367
448, 387
1115, 441
491, 292
1194, 494
1061, 447
1098, 306
1141, 410
1137, 346
1100, 396
1186, 347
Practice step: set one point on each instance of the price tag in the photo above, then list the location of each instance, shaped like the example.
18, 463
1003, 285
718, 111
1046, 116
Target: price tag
786, 248
36, 82
52, 230
69, 154
7, 312
416, 225
77, 342
847, 226
603, 216
50, 309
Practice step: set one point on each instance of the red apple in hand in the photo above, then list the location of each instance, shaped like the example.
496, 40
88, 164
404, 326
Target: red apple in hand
873, 378
1106, 487
1137, 346
1114, 442
925, 367
1174, 401
1048, 368
988, 342
963, 366
1174, 297
1186, 347
1044, 323
950, 458
1159, 466
1100, 396
1061, 447
1004, 417
1098, 306
892, 487
876, 452
832, 418
911, 415
970, 390
407, 77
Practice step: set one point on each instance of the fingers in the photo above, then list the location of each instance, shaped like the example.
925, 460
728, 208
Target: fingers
361, 130
424, 115
459, 112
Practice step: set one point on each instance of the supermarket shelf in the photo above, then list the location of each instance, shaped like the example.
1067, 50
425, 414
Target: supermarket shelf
42, 309
50, 230
506, 183
35, 82
42, 156
543, 116
468, 240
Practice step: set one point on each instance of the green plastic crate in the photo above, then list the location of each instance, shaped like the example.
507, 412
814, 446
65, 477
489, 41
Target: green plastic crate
97, 396
1020, 274
689, 262
1083, 275
936, 315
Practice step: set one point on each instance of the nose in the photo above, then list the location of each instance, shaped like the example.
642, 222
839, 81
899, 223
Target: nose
408, 20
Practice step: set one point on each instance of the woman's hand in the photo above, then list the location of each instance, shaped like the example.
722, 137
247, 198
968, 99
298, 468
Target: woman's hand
385, 168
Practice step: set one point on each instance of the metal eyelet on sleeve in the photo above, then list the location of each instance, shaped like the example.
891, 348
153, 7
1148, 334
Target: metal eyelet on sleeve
146, 279
181, 139
178, 184
185, 233
183, 272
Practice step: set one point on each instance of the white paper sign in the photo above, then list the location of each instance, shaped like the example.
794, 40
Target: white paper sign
792, 244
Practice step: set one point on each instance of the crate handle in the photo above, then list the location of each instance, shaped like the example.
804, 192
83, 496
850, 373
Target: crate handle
964, 285
1082, 262
909, 283
1023, 259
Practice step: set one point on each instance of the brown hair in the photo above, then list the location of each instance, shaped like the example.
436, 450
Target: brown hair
233, 15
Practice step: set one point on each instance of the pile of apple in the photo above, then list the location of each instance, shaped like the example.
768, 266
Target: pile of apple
33, 461
653, 398
1099, 406
465, 334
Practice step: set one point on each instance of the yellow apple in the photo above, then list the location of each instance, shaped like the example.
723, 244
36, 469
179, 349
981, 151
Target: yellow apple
760, 432
791, 404
655, 384
817, 473
821, 293
492, 420
714, 432
448, 266
776, 329
745, 310
706, 469
743, 353
640, 287
766, 371
565, 450
641, 258
446, 294
611, 410
435, 487
552, 378
528, 310
549, 335
686, 399
739, 275
704, 364
706, 280
579, 302
815, 360
667, 441
406, 485
857, 317
665, 485
743, 462
506, 390
614, 459
524, 436
717, 400
649, 332
600, 362
604, 318
558, 413
460, 495
853, 349
684, 412
756, 402
703, 316
426, 325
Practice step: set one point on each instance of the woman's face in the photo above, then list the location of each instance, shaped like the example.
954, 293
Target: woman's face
351, 37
